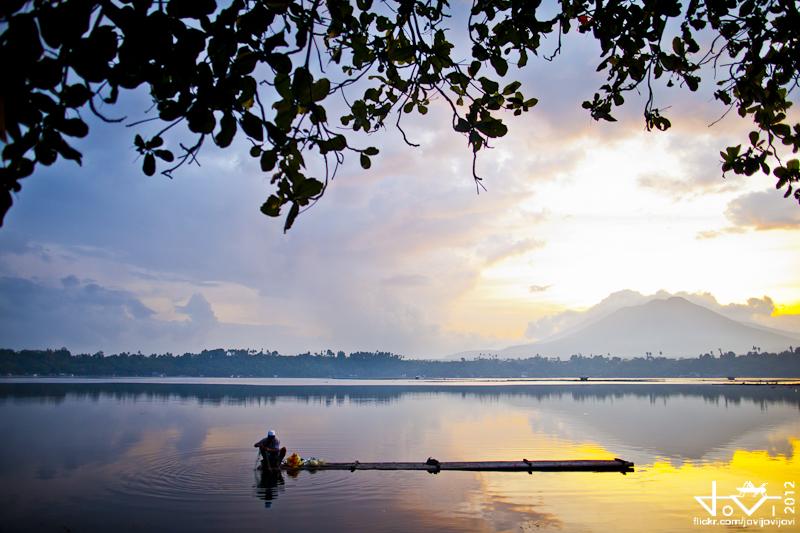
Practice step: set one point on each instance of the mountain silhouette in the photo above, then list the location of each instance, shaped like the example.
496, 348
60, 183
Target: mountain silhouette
673, 327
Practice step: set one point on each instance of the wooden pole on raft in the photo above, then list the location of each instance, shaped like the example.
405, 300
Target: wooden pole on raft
432, 465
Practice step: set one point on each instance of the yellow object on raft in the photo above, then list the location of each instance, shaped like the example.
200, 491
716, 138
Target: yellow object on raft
294, 461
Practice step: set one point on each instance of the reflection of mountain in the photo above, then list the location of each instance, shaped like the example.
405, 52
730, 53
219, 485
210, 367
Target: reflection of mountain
674, 327
677, 426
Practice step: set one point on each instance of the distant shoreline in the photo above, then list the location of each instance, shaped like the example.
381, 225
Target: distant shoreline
222, 363
399, 381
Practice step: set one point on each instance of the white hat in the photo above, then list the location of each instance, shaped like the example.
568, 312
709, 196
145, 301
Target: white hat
271, 433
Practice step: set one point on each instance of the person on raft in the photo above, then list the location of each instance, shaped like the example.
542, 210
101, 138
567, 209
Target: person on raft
270, 449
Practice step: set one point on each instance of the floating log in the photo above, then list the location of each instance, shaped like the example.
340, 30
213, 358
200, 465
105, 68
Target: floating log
432, 465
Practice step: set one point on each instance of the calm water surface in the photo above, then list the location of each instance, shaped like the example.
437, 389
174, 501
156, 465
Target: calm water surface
177, 456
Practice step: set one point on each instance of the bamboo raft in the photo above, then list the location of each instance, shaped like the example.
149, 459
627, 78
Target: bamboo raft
434, 466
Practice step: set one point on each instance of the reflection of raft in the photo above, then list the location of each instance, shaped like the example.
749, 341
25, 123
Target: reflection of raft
432, 465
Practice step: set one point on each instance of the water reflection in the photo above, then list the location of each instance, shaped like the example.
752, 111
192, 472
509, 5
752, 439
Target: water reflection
269, 484
180, 457
676, 421
332, 395
659, 496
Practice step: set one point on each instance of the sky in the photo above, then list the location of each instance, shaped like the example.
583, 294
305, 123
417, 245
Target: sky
405, 257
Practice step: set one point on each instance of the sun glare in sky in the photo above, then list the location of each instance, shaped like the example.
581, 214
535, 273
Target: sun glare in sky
605, 230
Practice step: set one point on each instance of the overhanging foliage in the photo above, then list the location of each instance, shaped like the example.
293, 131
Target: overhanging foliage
268, 70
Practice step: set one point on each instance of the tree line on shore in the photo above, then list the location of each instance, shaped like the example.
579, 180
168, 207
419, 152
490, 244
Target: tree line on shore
251, 363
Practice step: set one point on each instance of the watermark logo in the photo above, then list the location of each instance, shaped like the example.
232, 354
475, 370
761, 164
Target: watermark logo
709, 503
738, 508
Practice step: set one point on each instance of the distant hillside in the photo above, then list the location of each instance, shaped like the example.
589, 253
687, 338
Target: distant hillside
675, 327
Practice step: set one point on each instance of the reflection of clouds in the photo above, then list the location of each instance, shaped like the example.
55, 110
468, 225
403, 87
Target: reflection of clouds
507, 510
57, 449
464, 501
659, 496
549, 409
191, 437
109, 432
187, 453
510, 504
637, 428
509, 516
777, 440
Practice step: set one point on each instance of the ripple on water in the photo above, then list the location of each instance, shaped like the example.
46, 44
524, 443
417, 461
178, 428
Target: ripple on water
196, 475
184, 475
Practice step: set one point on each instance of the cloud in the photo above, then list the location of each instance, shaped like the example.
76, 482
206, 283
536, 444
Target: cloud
373, 266
695, 169
497, 248
713, 234
36, 315
565, 321
90, 317
199, 311
391, 258
538, 288
548, 326
710, 181
765, 210
757, 211
70, 281
406, 280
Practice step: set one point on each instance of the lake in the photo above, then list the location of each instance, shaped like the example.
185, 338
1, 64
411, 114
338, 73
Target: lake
177, 455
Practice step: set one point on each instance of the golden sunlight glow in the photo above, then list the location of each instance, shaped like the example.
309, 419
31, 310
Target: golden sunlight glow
606, 232
515, 427
661, 493
787, 309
